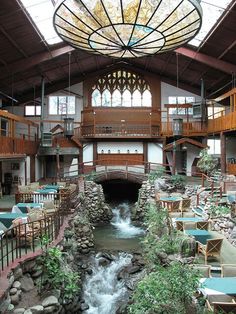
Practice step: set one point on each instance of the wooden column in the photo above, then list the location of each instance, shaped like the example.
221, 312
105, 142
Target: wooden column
164, 152
95, 154
80, 159
174, 160
25, 171
223, 152
145, 156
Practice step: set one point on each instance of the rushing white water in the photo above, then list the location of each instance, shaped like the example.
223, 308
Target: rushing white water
102, 290
122, 222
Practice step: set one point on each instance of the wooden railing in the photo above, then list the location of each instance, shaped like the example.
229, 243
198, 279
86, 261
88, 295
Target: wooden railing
207, 181
9, 145
189, 128
13, 247
227, 121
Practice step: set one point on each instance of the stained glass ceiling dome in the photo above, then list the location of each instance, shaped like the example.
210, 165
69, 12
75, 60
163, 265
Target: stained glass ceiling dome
127, 28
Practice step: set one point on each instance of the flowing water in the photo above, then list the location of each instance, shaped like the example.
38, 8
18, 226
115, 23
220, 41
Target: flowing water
102, 291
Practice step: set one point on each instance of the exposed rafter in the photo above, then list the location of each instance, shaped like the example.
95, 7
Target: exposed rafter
208, 60
184, 140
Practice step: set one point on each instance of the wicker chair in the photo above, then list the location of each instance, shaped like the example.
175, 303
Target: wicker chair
228, 270
212, 248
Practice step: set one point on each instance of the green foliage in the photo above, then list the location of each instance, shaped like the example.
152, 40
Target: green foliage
168, 290
57, 275
158, 173
207, 163
160, 237
178, 181
218, 210
90, 176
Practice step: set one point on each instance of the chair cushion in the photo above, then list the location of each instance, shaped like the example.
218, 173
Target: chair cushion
48, 204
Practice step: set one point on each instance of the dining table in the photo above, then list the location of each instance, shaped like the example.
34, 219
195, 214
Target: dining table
187, 219
169, 201
218, 289
7, 218
22, 207
200, 235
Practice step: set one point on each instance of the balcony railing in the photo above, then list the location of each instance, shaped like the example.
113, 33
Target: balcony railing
189, 128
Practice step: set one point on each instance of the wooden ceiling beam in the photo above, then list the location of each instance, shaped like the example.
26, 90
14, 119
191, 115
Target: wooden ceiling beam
208, 60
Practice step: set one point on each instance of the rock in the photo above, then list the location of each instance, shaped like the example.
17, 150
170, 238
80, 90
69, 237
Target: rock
132, 269
17, 285
27, 283
13, 291
50, 309
15, 299
28, 266
103, 262
19, 311
51, 300
37, 309
28, 312
37, 274
11, 280
4, 305
18, 273
11, 307
84, 306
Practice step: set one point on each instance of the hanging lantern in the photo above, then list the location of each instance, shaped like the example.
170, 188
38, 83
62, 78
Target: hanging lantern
177, 127
68, 127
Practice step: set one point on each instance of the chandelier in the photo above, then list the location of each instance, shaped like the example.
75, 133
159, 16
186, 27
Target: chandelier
127, 28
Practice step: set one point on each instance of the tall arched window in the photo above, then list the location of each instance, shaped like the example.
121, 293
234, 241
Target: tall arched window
121, 89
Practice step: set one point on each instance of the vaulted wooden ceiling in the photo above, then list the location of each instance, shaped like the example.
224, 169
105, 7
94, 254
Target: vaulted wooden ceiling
25, 58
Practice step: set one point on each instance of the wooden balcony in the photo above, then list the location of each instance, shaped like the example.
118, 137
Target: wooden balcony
193, 128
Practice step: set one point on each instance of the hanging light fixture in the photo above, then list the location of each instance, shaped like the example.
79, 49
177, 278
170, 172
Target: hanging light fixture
127, 28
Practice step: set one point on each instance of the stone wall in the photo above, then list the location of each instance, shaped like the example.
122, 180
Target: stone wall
94, 203
146, 196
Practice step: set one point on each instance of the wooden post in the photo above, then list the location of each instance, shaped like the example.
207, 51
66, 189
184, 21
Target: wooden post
95, 155
174, 160
145, 156
223, 152
164, 152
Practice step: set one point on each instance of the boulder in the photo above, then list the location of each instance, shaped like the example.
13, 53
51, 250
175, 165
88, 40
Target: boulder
37, 309
27, 283
19, 311
51, 300
17, 285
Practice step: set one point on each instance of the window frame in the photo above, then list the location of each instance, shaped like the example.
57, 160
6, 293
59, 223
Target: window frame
35, 106
58, 104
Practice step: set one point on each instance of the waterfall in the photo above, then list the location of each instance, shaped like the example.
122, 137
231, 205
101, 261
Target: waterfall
122, 222
103, 293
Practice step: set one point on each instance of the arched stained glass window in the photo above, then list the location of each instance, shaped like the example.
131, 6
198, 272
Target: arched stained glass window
137, 99
96, 98
106, 98
126, 101
121, 89
116, 98
147, 98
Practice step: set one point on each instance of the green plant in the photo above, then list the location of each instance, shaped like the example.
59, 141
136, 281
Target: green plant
167, 290
207, 163
218, 210
158, 173
57, 275
90, 176
178, 181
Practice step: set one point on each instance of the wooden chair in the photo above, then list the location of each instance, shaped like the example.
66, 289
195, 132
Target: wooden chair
202, 225
188, 214
49, 208
212, 248
24, 234
179, 225
174, 206
221, 307
189, 225
175, 214
204, 270
186, 203
228, 270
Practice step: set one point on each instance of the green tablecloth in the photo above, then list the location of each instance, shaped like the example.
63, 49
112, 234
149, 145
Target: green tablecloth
51, 186
6, 219
200, 235
23, 206
170, 198
45, 191
218, 288
193, 219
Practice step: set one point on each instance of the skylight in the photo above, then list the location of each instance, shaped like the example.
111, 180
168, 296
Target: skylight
212, 11
41, 12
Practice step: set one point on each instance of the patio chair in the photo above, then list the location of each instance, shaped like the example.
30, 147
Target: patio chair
221, 307
228, 270
174, 206
49, 207
189, 225
203, 225
175, 214
188, 214
186, 203
179, 225
212, 248
204, 270
24, 234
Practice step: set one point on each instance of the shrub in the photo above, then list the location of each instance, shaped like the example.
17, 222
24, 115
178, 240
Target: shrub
178, 181
155, 174
207, 163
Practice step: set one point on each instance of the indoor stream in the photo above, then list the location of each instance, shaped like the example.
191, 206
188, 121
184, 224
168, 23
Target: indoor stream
103, 292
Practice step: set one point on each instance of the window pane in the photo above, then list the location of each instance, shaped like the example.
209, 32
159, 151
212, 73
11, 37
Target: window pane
147, 99
126, 98
181, 111
181, 100
53, 105
29, 110
71, 105
38, 110
190, 111
172, 111
96, 98
137, 99
62, 104
116, 98
190, 99
106, 98
172, 100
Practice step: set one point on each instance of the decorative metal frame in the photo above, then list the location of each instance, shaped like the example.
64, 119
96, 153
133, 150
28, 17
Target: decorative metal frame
127, 28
